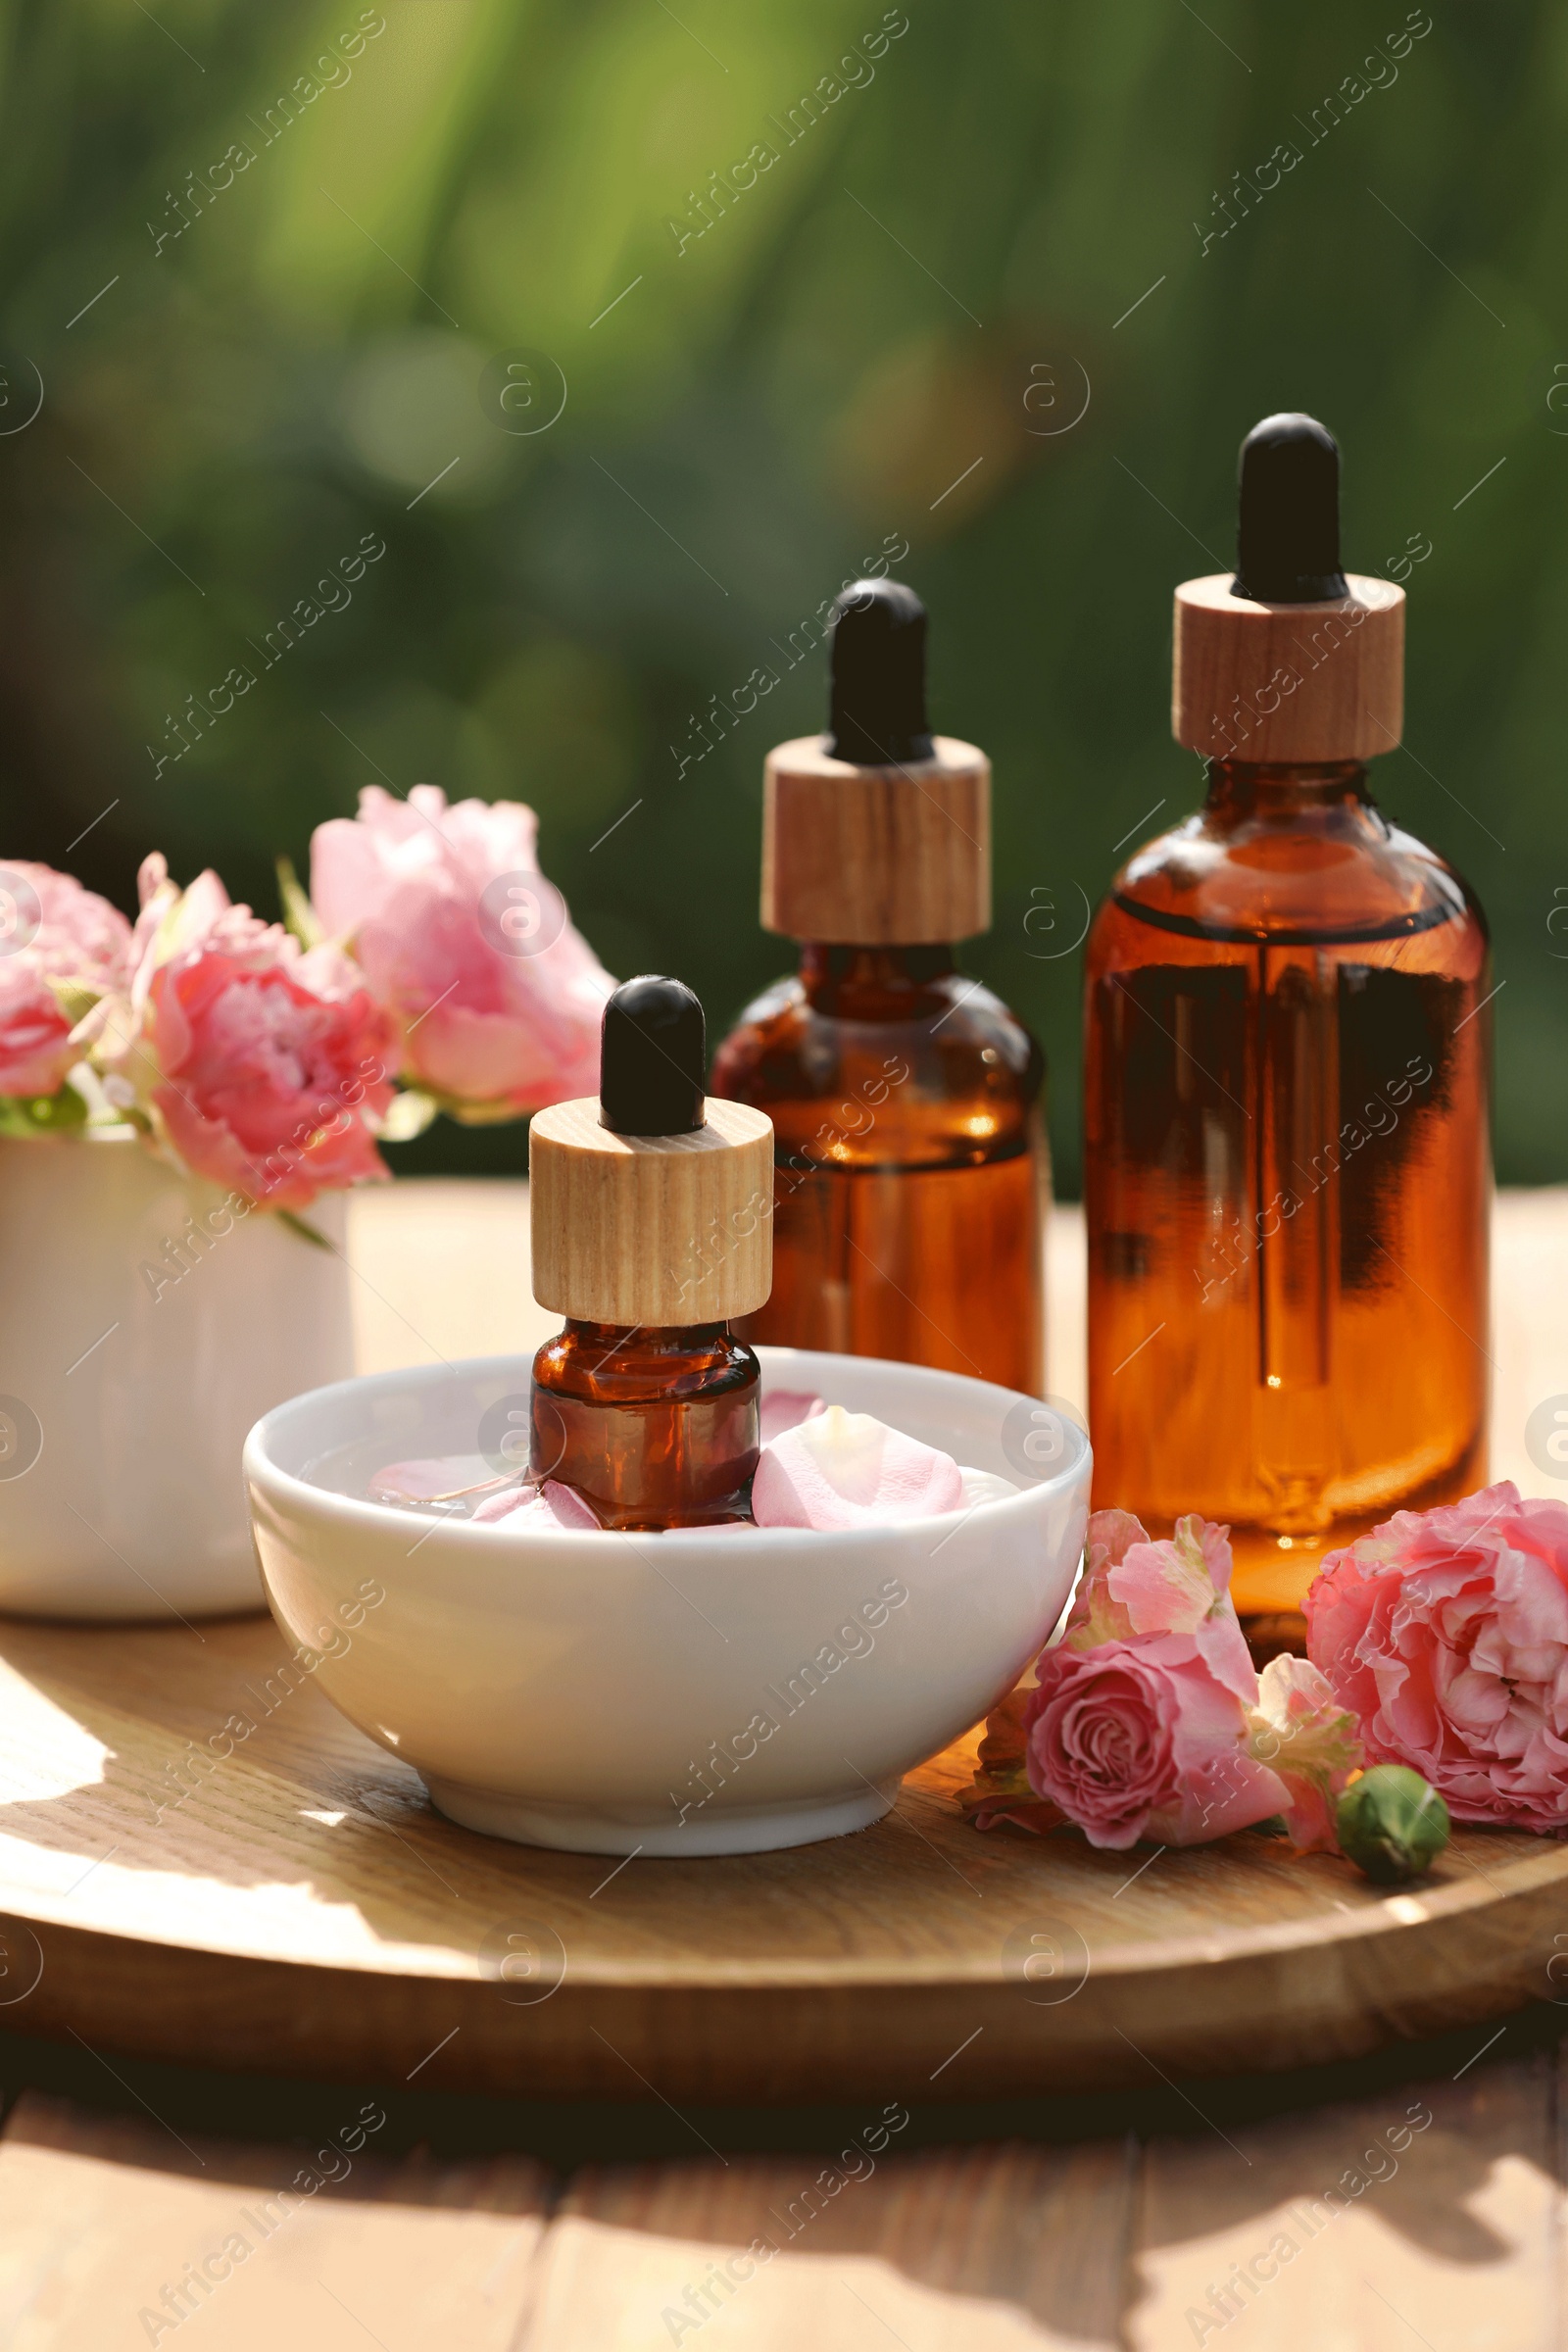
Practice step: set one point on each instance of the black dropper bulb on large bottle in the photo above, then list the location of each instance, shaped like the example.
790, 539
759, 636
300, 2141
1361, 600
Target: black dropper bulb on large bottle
1287, 534
653, 1059
877, 714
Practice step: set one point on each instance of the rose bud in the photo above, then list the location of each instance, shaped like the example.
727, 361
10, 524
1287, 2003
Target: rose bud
1391, 1824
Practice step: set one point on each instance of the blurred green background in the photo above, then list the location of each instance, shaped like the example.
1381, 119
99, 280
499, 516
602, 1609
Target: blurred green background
918, 291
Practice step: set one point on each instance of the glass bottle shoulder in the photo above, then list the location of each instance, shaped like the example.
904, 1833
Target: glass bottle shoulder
600, 1363
1337, 874
949, 1075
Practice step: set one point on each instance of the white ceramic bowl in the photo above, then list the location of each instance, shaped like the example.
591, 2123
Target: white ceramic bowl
681, 1693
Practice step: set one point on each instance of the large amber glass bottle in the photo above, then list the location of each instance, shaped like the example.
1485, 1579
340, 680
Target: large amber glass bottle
1286, 1053
910, 1176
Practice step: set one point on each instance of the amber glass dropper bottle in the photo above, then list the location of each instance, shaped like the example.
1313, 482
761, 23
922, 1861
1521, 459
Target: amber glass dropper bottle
650, 1235
1287, 1173
911, 1177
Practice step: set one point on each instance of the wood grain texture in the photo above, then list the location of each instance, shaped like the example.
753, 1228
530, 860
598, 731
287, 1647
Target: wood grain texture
1288, 682
876, 856
103, 2216
1005, 2249
1431, 2215
300, 1908
649, 1230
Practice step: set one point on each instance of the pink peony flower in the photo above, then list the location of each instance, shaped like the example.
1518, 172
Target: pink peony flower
1446, 1633
496, 998
1300, 1730
839, 1469
54, 931
254, 1062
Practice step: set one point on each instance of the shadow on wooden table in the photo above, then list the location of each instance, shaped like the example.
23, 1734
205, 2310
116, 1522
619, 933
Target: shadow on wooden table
1431, 2210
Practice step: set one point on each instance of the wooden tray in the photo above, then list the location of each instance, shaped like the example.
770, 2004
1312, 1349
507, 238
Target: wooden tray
303, 1910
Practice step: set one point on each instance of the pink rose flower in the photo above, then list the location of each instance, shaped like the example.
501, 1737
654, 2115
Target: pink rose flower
255, 1063
68, 935
1446, 1633
1139, 1722
1144, 1739
839, 1469
496, 998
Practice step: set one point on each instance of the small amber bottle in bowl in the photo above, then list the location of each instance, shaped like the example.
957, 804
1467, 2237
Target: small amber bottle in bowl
650, 1235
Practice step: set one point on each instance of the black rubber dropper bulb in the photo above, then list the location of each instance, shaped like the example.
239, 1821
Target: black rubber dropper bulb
653, 1059
876, 718
1287, 534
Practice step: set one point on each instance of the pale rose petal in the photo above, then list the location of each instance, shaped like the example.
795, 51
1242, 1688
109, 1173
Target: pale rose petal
841, 1469
1095, 1617
548, 1510
501, 1506
1110, 1533
441, 1474
1135, 1586
785, 1408
985, 1486
1220, 1794
1161, 1590
1171, 1586
1299, 1729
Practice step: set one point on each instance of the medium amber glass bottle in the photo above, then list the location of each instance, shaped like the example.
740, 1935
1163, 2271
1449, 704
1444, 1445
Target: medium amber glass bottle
911, 1177
1286, 1175
650, 1234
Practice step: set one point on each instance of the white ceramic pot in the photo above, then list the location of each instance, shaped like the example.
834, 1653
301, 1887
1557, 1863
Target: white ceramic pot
127, 1386
611, 1693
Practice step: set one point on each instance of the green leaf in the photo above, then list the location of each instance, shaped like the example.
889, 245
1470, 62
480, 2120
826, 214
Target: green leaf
74, 1000
299, 916
31, 1116
298, 1224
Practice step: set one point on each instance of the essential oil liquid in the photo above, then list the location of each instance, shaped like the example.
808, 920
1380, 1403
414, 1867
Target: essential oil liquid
911, 1178
1287, 1178
654, 1428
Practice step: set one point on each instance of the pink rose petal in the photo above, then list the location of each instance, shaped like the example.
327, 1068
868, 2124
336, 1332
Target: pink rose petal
841, 1469
438, 1474
786, 1408
545, 1510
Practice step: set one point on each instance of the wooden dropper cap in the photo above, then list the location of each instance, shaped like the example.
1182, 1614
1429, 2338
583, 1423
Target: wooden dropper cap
1291, 660
651, 1203
877, 834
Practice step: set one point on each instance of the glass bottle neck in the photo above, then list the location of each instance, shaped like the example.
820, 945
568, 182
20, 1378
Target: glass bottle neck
1273, 793
647, 1339
873, 983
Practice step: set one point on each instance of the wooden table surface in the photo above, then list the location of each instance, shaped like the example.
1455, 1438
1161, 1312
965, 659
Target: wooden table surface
1415, 2200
